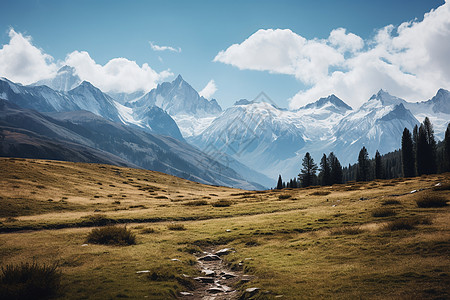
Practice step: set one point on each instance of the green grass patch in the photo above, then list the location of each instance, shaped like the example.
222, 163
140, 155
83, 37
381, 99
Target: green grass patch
383, 212
222, 203
429, 201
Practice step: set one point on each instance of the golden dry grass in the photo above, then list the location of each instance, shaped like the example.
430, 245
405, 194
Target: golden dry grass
307, 244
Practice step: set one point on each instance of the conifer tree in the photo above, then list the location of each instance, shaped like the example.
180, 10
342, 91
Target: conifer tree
336, 169
280, 183
308, 173
426, 149
408, 162
325, 171
378, 166
446, 158
363, 171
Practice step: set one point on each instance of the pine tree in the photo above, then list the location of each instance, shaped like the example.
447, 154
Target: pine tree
363, 171
426, 149
308, 173
325, 171
378, 166
336, 169
446, 159
280, 183
408, 164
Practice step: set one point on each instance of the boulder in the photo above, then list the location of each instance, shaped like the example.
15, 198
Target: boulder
205, 279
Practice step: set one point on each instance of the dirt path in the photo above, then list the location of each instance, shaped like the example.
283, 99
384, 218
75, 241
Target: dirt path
218, 281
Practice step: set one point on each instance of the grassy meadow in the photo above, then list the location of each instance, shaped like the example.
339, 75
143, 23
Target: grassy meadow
357, 240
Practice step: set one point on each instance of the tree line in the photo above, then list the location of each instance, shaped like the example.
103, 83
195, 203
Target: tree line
420, 154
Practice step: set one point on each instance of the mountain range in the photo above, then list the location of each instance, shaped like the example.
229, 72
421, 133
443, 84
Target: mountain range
172, 129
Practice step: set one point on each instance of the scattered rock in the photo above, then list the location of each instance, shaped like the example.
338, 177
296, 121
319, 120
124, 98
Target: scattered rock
228, 230
186, 294
224, 251
438, 184
175, 259
252, 290
210, 257
413, 191
185, 276
84, 245
209, 273
334, 205
279, 296
228, 275
143, 271
205, 279
215, 290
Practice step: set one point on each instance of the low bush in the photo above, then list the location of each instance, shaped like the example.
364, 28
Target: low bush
222, 203
429, 201
29, 281
320, 193
284, 196
196, 203
176, 227
97, 220
383, 212
406, 224
112, 235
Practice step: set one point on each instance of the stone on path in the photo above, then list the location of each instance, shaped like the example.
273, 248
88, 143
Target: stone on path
205, 279
224, 251
210, 257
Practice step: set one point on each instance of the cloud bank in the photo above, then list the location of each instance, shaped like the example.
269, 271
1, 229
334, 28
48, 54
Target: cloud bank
21, 61
411, 60
209, 89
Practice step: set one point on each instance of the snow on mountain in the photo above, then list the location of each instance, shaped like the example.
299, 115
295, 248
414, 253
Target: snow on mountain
123, 98
378, 125
180, 100
87, 97
64, 80
437, 109
253, 133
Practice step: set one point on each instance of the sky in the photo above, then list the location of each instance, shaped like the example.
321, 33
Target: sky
293, 51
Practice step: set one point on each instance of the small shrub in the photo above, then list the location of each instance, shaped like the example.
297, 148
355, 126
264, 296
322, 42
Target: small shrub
222, 203
406, 224
320, 193
29, 281
284, 196
391, 202
176, 227
383, 212
252, 243
429, 201
97, 220
196, 203
161, 197
112, 235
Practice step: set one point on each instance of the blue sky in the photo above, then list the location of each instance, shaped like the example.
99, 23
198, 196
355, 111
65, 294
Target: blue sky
201, 29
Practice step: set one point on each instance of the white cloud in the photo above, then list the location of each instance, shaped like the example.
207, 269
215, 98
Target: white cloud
164, 48
117, 75
411, 60
209, 89
22, 62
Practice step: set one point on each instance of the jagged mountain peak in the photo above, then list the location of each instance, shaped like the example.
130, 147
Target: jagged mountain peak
331, 99
65, 79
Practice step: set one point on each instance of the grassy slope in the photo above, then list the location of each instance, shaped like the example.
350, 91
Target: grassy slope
305, 244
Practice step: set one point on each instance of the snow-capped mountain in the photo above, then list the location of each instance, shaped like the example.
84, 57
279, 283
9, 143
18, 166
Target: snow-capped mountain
191, 111
64, 80
378, 125
87, 97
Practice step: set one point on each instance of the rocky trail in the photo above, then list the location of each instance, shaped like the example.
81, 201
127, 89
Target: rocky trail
218, 281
